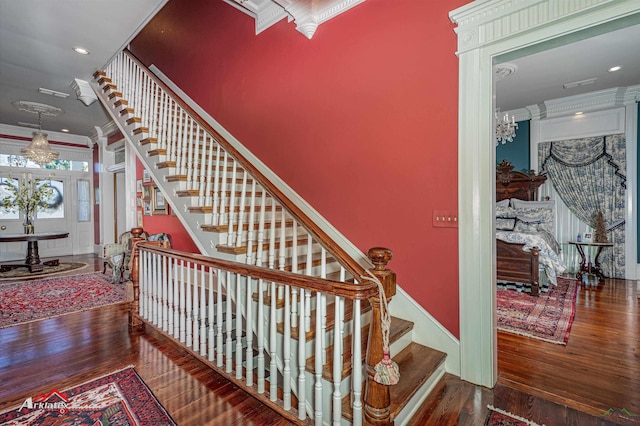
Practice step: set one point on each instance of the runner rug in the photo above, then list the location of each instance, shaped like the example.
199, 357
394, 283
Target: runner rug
498, 417
121, 398
31, 300
547, 317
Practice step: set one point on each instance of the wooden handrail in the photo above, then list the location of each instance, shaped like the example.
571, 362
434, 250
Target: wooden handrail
318, 233
364, 291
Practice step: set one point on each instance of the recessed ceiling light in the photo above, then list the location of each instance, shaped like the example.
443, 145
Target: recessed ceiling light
81, 50
579, 113
64, 130
614, 69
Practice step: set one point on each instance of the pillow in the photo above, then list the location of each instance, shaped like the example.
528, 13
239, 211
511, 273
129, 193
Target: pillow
502, 203
526, 227
505, 212
503, 224
542, 217
517, 204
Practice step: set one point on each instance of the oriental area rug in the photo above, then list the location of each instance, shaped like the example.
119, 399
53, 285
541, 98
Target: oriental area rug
121, 398
31, 300
547, 317
498, 417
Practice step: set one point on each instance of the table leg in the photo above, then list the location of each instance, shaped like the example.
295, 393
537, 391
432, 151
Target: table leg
33, 257
583, 263
597, 269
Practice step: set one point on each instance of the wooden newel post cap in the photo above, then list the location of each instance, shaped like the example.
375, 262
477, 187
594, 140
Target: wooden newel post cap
380, 257
136, 232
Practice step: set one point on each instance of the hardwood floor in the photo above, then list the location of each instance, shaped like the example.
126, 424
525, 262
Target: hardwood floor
549, 384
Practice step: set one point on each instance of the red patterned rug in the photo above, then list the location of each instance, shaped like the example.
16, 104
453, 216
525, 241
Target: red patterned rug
26, 301
121, 398
498, 417
547, 317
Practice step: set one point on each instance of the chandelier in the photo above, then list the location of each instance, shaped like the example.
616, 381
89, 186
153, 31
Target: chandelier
39, 151
505, 128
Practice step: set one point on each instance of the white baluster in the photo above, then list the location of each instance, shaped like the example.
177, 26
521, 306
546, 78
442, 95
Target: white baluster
219, 341
231, 232
238, 326
172, 150
189, 342
183, 305
307, 299
176, 300
318, 364
203, 313
171, 300
195, 308
337, 361
237, 241
356, 371
251, 233
206, 196
272, 239
211, 313
273, 369
302, 360
249, 331
294, 269
215, 219
263, 207
260, 322
223, 218
144, 291
165, 294
286, 351
229, 342
190, 151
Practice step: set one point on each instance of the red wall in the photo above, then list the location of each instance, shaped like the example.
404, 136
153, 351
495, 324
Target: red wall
180, 239
361, 120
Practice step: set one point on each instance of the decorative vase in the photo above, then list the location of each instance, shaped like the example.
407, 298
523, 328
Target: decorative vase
28, 224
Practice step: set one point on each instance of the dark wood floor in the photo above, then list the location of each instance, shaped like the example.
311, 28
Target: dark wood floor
550, 384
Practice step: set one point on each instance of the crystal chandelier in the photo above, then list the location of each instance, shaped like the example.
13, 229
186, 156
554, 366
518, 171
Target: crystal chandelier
505, 128
39, 151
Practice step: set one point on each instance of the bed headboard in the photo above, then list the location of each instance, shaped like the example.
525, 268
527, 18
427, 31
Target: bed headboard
514, 184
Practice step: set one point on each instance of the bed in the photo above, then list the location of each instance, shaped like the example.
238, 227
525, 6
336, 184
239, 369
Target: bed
524, 226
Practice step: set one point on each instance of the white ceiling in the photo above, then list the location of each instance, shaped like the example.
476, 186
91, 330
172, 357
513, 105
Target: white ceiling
541, 76
37, 36
36, 41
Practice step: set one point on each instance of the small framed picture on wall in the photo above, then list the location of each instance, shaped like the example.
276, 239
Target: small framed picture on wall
146, 177
159, 202
139, 201
147, 208
139, 185
139, 218
146, 193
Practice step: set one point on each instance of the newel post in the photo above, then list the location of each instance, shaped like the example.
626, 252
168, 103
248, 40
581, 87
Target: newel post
134, 308
377, 401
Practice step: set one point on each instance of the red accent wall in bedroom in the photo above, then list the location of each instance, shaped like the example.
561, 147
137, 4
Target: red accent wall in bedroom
361, 120
180, 238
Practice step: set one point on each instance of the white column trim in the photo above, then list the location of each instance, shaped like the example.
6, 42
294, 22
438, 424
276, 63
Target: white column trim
487, 29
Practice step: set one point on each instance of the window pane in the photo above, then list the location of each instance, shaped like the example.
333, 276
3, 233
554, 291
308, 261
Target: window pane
53, 207
84, 201
6, 192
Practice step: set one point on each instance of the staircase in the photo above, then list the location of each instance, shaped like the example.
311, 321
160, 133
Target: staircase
277, 292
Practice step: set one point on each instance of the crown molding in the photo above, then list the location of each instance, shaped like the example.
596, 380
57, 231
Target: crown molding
307, 15
23, 132
481, 23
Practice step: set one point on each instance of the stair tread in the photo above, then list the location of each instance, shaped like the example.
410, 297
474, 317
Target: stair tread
399, 328
416, 364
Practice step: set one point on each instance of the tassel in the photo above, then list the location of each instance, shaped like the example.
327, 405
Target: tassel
387, 372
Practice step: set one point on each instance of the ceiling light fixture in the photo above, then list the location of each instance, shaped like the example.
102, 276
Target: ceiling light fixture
614, 69
505, 127
81, 50
579, 113
64, 130
39, 151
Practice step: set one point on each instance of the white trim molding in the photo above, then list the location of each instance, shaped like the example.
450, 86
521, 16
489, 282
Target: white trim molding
487, 29
307, 15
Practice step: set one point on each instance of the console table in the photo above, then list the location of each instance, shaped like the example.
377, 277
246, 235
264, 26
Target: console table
586, 266
32, 261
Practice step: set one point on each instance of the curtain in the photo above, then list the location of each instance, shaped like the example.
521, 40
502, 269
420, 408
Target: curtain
589, 175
